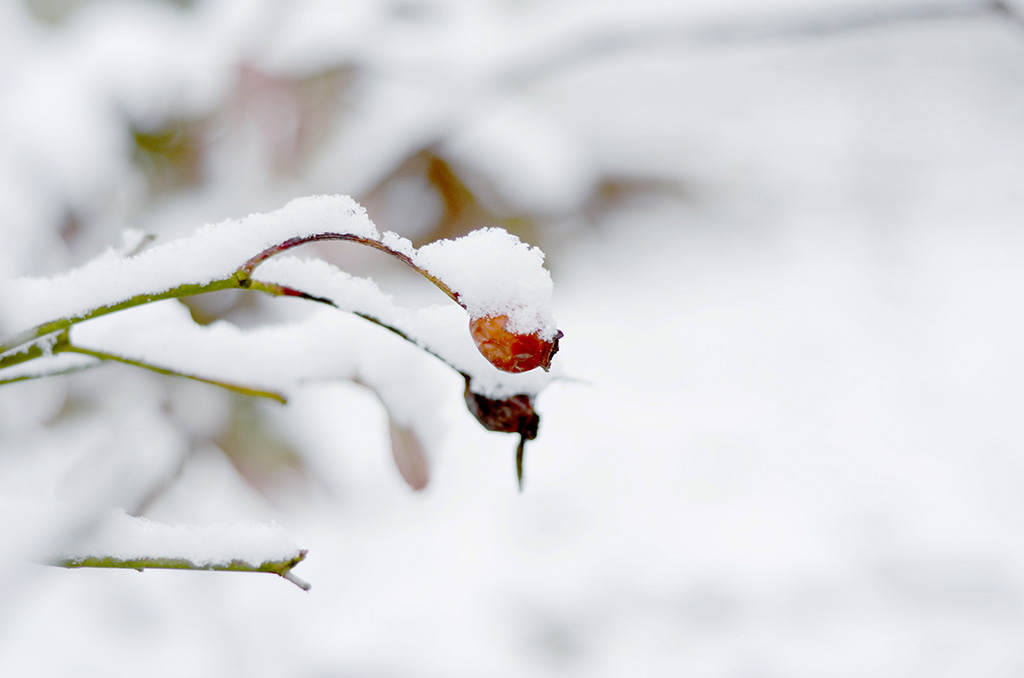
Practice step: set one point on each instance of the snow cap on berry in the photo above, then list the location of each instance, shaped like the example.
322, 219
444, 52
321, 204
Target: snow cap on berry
495, 274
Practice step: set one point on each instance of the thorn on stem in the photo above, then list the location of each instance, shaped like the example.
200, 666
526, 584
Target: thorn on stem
301, 583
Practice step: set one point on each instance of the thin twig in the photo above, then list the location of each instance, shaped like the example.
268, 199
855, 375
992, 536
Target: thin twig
282, 568
237, 388
186, 290
55, 373
248, 267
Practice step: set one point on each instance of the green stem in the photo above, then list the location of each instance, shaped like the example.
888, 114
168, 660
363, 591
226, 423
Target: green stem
55, 344
282, 568
62, 343
101, 355
55, 373
30, 352
186, 290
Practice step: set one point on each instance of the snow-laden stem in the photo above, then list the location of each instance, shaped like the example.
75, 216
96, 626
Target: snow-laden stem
242, 278
186, 290
63, 344
30, 352
54, 373
237, 388
282, 568
248, 267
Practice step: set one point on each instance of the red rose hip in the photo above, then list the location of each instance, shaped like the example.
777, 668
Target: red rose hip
508, 351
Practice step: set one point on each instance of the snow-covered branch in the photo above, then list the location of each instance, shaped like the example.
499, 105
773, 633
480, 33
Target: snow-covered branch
127, 542
282, 568
490, 273
120, 308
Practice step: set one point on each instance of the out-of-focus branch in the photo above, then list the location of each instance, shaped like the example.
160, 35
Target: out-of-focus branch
607, 37
1010, 10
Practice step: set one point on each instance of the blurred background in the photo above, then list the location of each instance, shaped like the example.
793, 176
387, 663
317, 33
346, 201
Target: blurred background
786, 239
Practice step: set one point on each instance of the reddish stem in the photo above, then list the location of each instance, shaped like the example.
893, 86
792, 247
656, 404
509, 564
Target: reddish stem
248, 267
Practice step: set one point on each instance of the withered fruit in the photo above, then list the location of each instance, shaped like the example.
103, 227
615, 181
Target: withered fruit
510, 415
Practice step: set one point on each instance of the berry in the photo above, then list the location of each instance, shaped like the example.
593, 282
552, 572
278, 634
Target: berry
508, 351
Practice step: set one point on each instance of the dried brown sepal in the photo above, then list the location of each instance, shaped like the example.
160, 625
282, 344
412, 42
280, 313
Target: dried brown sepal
509, 415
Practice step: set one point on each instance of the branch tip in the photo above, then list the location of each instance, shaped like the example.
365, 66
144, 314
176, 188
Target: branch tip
301, 583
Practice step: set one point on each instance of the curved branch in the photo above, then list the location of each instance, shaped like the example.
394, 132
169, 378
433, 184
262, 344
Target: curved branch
248, 267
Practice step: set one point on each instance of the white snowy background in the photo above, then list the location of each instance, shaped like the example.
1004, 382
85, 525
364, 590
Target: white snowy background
787, 246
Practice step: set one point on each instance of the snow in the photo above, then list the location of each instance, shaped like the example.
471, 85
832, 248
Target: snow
125, 537
280, 358
495, 274
324, 345
58, 364
795, 448
490, 271
519, 157
213, 253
